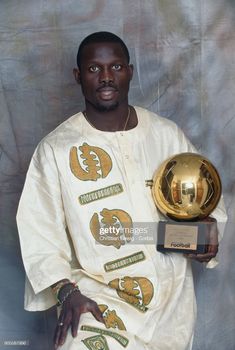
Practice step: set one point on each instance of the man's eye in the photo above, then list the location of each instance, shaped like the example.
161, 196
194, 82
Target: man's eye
117, 67
94, 69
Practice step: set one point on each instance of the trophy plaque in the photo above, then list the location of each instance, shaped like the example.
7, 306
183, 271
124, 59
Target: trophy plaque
186, 189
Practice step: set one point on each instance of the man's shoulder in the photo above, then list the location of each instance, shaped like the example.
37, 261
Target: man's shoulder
60, 136
63, 130
164, 130
155, 120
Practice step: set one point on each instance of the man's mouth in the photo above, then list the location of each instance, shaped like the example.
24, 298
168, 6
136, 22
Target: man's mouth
106, 88
107, 92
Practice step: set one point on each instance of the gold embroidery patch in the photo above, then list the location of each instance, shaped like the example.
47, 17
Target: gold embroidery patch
96, 163
113, 229
97, 342
111, 319
101, 193
137, 291
119, 338
124, 262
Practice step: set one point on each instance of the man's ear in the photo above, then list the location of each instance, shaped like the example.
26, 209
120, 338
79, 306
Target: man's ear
77, 75
131, 70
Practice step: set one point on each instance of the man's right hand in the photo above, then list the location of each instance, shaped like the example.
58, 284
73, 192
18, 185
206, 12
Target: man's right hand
72, 308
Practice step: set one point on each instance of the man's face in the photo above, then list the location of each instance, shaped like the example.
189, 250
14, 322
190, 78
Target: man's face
104, 75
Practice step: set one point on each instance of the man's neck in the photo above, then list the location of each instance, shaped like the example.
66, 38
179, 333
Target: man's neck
120, 119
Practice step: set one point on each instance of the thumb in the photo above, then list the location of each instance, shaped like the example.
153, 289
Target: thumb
97, 313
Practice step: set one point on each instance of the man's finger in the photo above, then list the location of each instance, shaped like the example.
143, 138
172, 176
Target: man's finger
58, 329
96, 312
64, 326
57, 336
75, 322
202, 257
213, 249
58, 339
63, 333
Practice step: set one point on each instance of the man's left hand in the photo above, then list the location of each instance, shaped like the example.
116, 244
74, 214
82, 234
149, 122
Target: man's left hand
212, 242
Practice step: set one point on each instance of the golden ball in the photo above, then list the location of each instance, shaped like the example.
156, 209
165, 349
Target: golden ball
186, 186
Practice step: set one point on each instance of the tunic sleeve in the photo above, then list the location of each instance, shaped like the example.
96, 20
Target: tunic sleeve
41, 224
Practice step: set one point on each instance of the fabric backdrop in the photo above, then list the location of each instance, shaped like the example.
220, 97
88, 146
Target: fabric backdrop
183, 53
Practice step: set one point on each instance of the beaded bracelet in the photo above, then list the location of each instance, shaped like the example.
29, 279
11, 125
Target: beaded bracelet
58, 287
71, 291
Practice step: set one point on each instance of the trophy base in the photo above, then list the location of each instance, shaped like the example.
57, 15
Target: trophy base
182, 237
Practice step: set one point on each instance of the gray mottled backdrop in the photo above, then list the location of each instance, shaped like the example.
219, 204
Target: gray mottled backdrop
184, 57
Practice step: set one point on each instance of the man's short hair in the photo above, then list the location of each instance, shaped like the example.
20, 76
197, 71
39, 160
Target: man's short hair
101, 37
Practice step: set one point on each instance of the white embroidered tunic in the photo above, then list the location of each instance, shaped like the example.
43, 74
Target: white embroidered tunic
86, 189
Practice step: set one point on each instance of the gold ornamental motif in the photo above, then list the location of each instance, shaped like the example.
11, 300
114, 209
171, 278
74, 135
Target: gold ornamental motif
114, 229
93, 162
123, 341
137, 291
111, 319
101, 193
124, 262
97, 342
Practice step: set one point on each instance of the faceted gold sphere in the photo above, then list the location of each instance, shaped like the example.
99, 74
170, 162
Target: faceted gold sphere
186, 187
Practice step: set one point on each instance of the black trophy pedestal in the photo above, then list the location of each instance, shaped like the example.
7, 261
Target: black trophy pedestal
182, 237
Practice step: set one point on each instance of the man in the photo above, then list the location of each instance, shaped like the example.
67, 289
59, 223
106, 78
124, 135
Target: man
84, 191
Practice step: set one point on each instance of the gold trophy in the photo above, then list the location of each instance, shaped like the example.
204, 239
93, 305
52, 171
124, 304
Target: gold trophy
186, 189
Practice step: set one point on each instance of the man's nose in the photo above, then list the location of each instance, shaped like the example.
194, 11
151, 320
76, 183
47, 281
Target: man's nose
106, 76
